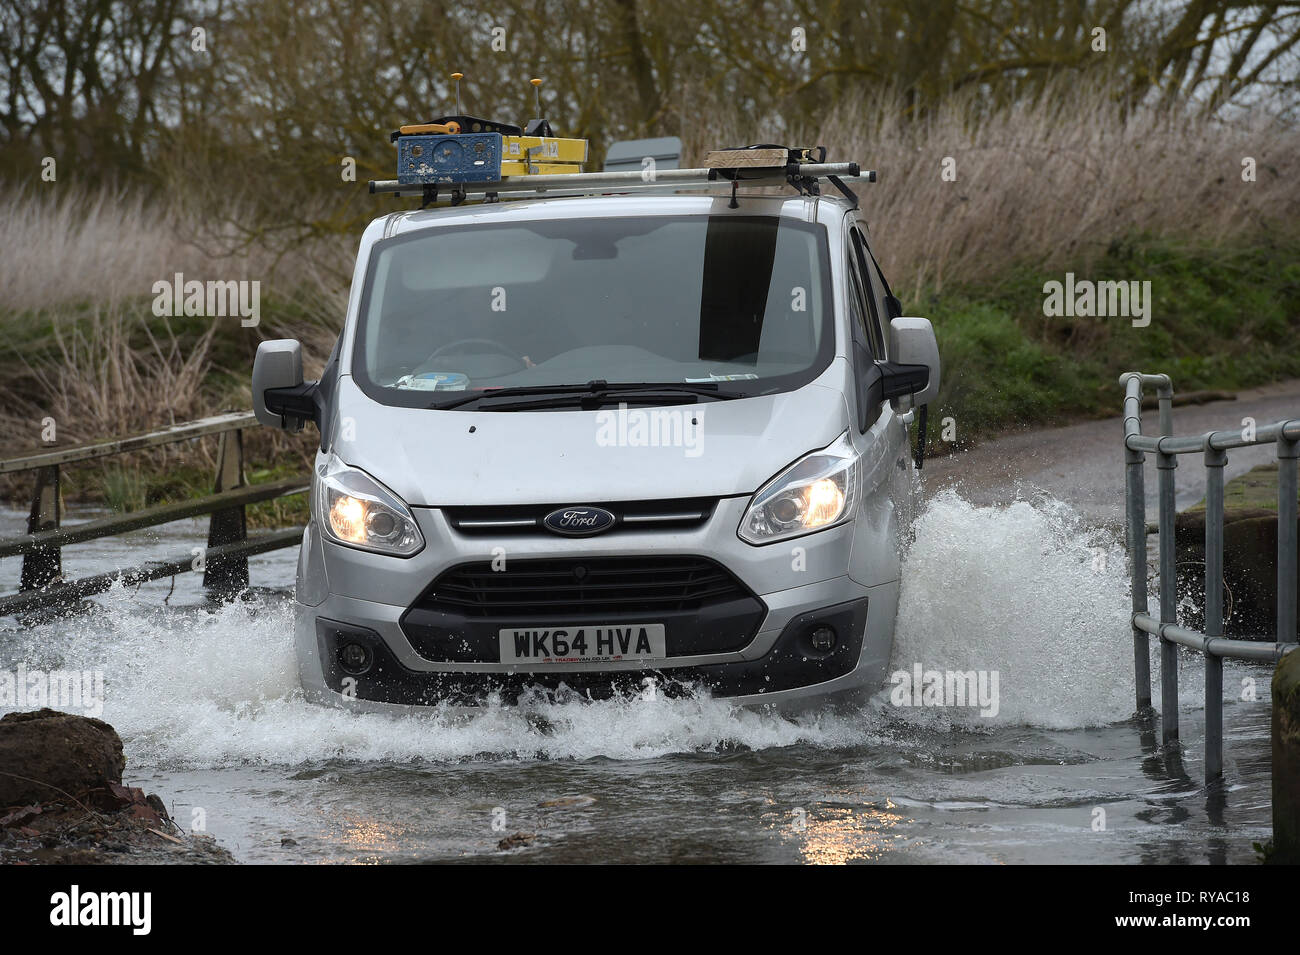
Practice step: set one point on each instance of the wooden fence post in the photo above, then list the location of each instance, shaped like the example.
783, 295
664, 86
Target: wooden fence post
44, 565
227, 576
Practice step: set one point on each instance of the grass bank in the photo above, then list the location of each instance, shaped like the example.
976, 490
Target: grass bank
1223, 316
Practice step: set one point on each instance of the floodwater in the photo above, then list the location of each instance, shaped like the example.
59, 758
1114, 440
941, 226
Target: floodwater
206, 700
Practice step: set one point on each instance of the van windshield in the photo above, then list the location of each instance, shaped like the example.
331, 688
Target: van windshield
736, 304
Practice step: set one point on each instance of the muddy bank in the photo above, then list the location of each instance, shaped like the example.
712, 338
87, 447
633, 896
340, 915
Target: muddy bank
62, 800
1249, 553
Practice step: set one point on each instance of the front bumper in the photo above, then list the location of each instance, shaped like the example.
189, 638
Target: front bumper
792, 664
348, 596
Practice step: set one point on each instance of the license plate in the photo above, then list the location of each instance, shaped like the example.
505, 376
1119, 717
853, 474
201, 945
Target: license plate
583, 644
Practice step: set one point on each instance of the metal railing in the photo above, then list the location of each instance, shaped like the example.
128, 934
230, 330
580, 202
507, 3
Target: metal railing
225, 558
1214, 445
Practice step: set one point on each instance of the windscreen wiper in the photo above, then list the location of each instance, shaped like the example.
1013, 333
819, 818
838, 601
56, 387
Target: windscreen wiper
593, 394
593, 400
518, 391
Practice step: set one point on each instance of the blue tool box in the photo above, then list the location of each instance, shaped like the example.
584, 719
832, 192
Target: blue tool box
435, 158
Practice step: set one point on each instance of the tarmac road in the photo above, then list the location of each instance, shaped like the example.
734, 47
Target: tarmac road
1083, 464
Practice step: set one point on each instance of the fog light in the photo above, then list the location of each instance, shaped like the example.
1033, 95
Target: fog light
822, 639
354, 658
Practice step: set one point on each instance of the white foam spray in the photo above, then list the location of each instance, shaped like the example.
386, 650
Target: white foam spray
1025, 588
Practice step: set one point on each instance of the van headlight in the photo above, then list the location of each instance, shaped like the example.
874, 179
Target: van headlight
817, 491
356, 510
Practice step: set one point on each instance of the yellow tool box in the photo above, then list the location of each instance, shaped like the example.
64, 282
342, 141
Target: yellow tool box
541, 155
461, 149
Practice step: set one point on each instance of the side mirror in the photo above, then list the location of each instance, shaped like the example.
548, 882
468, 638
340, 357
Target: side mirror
880, 381
912, 342
281, 399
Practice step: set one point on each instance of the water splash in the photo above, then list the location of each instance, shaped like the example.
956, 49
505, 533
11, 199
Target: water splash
208, 688
1026, 589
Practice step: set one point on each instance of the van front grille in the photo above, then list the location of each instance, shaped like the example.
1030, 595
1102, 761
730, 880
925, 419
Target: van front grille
529, 589
671, 514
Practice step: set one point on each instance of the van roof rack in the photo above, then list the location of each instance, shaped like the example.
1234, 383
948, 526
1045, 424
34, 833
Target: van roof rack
455, 157
803, 176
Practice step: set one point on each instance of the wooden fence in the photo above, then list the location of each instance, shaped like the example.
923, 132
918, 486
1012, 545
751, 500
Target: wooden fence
225, 558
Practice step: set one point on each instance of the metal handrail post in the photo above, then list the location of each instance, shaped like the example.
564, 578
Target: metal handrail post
1136, 513
1137, 542
1215, 461
1216, 647
1165, 464
1165, 395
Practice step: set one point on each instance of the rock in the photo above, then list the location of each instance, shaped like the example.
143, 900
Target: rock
69, 805
156, 803
517, 841
59, 754
567, 802
1286, 760
19, 816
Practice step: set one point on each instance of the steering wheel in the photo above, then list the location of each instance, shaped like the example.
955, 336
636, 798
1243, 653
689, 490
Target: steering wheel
493, 346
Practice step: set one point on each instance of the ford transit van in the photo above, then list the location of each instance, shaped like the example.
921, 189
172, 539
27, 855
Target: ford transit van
607, 444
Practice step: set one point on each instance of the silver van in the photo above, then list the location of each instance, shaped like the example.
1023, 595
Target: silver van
607, 444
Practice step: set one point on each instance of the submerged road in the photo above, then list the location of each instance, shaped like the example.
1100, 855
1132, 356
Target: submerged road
1084, 463
207, 701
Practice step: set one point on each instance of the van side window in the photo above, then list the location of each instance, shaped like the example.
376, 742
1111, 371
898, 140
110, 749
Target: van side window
875, 329
883, 294
859, 303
